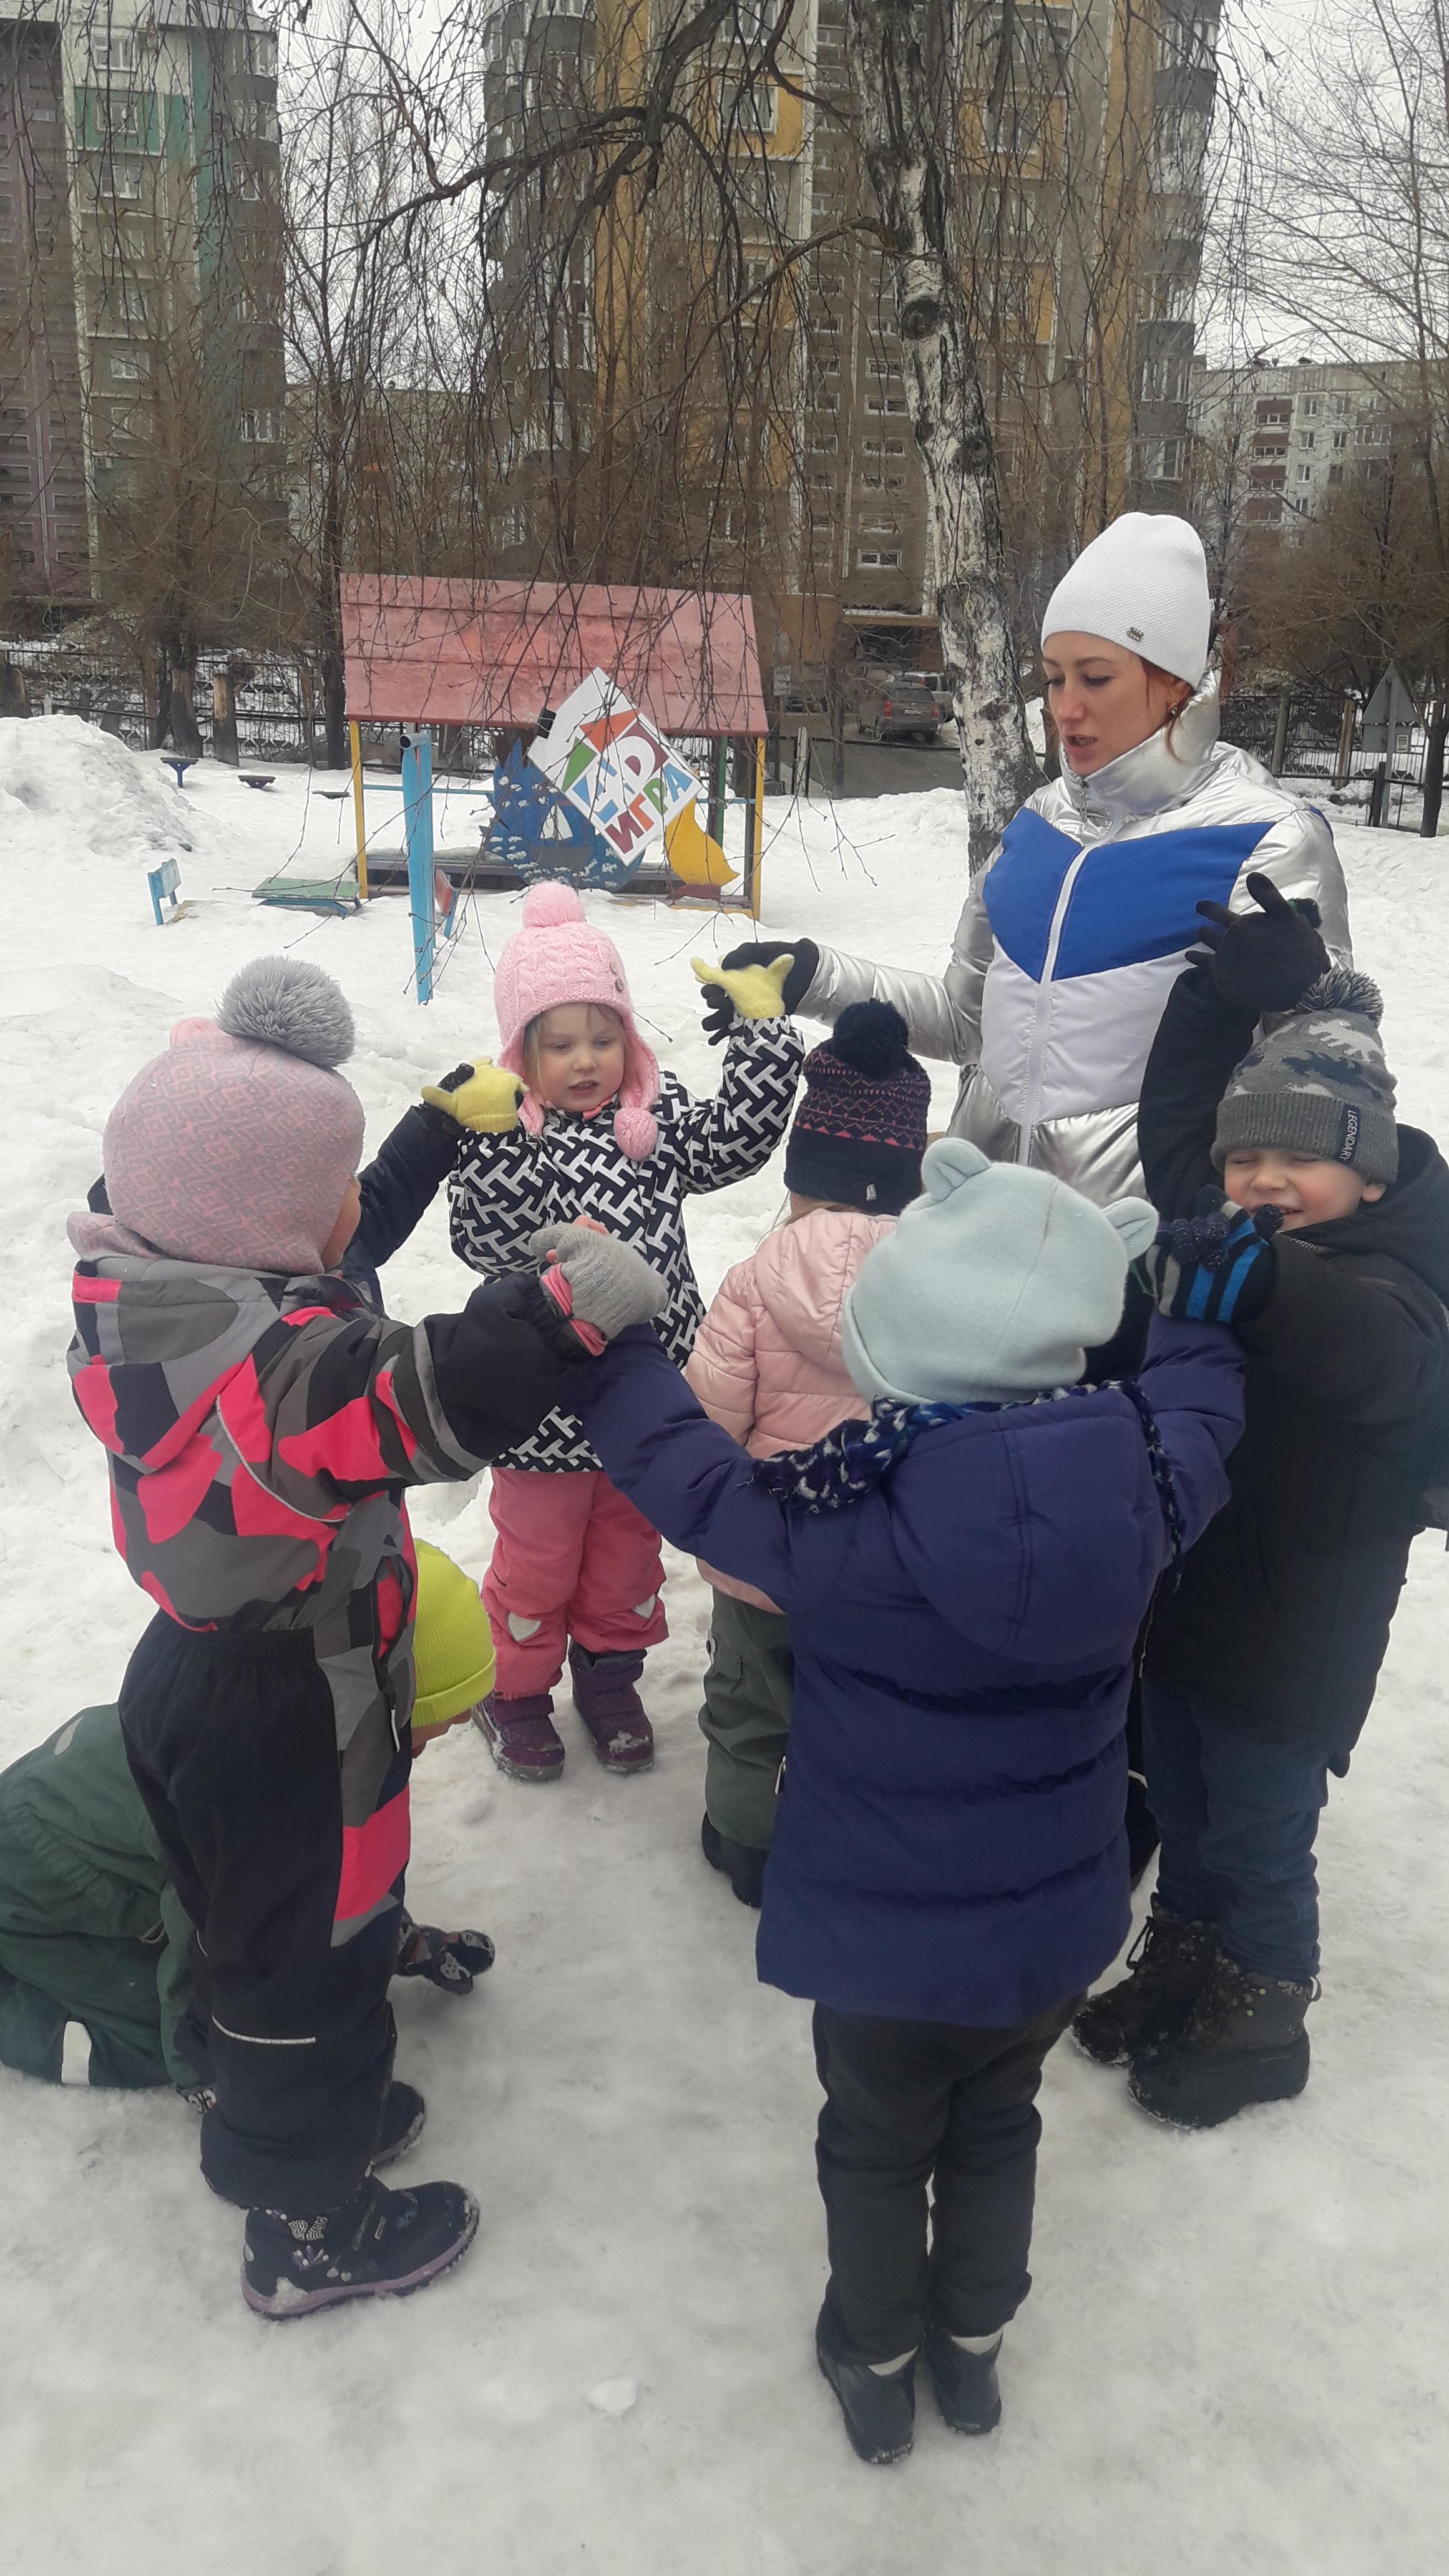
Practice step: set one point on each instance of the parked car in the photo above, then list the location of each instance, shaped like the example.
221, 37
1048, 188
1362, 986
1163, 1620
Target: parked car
940, 688
892, 709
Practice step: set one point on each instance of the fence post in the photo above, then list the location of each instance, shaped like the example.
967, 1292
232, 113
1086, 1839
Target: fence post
1344, 761
1280, 733
1376, 795
417, 779
754, 827
224, 745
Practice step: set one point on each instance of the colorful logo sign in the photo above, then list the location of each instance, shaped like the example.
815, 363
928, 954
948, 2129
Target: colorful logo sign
607, 761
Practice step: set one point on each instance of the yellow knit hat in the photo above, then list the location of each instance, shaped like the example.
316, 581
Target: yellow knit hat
452, 1641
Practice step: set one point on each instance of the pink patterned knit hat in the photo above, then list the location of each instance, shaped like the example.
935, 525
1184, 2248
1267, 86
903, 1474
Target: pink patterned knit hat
235, 1148
559, 957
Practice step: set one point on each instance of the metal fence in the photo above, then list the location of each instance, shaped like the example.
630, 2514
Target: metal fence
272, 708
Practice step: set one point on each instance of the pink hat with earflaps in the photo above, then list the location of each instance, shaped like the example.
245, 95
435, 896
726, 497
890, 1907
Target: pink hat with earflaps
558, 957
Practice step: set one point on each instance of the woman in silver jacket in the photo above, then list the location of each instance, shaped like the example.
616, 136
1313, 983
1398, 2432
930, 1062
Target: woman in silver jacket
1075, 930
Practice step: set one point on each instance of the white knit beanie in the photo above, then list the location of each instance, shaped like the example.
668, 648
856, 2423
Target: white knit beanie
1142, 584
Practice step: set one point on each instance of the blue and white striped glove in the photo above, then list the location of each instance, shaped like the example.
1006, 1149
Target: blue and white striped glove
1217, 1267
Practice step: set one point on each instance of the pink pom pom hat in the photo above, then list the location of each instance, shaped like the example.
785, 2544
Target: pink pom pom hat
558, 957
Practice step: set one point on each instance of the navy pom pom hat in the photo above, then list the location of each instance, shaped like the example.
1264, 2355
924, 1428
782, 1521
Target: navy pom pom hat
1318, 1083
860, 1130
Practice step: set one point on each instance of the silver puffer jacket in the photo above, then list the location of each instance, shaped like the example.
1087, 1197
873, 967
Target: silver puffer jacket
1074, 933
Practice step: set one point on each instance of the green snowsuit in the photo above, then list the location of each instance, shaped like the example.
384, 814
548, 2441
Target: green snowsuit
91, 1929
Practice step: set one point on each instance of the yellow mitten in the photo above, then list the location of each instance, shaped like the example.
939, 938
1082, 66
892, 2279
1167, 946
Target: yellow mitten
481, 1096
756, 991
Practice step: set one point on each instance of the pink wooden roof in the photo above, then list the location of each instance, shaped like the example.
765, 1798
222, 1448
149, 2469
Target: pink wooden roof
422, 651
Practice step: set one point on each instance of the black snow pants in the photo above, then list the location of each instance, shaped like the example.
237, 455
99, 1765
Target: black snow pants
912, 2103
232, 1743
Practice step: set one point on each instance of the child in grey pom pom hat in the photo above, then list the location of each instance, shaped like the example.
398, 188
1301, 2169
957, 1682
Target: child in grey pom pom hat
262, 1423
1268, 1073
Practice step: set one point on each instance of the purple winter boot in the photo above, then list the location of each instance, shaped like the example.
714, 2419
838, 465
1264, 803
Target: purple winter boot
521, 1736
610, 1706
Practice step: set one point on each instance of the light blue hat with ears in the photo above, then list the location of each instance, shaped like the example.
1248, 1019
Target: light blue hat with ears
993, 1286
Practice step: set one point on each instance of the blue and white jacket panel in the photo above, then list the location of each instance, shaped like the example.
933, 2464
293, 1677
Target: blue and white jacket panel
1074, 933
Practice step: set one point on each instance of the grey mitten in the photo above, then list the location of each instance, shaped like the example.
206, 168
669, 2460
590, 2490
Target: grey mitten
609, 1284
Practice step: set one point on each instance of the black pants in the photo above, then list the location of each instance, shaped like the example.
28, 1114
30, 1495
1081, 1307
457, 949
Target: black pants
232, 1744
909, 2103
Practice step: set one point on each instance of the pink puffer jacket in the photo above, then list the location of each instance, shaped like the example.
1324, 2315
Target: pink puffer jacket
767, 1362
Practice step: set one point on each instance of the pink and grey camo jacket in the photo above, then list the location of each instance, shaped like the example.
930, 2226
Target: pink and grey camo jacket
260, 1433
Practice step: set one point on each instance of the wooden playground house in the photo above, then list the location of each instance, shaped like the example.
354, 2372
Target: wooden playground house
490, 658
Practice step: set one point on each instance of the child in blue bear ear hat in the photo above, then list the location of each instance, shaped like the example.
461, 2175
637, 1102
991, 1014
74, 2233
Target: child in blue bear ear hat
965, 1575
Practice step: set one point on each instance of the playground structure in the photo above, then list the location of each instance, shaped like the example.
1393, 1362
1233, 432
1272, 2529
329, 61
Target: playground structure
426, 653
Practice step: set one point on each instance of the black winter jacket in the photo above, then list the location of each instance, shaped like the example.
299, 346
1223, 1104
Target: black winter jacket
1282, 1613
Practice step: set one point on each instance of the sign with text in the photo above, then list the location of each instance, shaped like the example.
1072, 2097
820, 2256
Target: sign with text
611, 765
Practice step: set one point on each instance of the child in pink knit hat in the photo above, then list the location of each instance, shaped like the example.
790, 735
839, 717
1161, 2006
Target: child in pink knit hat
262, 1421
604, 1136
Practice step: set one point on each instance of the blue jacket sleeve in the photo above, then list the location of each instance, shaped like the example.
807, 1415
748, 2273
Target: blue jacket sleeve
687, 1476
401, 1182
1192, 1378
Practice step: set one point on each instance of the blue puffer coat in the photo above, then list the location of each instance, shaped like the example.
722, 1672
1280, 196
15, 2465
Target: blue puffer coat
950, 1843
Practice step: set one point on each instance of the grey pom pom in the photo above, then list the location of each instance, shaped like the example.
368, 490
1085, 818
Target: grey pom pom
1342, 988
283, 1003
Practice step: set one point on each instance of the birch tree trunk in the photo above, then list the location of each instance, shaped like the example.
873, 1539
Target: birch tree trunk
909, 154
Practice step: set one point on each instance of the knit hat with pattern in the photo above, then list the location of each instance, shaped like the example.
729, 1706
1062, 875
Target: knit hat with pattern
236, 1146
860, 1130
559, 957
1318, 1084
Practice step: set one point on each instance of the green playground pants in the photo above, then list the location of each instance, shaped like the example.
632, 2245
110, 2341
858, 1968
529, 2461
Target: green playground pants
749, 1687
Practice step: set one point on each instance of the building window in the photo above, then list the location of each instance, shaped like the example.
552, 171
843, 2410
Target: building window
1340, 438
127, 371
880, 527
886, 403
121, 179
1164, 461
1309, 407
1335, 473
878, 559
114, 49
1338, 405
257, 428
1305, 473
824, 443
1307, 438
248, 183
122, 118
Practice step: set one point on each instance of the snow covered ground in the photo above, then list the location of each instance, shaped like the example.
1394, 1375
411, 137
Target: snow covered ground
1234, 2355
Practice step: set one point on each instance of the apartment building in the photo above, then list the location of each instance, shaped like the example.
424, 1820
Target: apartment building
1081, 156
1272, 443
140, 265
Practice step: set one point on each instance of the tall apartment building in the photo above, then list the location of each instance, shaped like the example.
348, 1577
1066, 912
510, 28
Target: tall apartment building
139, 263
1272, 443
1081, 148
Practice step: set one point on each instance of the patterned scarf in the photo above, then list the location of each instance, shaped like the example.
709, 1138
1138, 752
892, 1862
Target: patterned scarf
856, 1457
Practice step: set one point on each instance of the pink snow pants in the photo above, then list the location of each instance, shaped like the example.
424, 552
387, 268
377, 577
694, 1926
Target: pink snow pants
572, 1558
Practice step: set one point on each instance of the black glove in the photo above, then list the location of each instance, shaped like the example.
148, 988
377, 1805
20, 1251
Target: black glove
1217, 1267
763, 952
1265, 960
448, 1959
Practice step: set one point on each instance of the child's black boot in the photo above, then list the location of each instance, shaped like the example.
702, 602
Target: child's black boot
1167, 1966
376, 2244
879, 2406
965, 2382
1243, 2042
741, 1863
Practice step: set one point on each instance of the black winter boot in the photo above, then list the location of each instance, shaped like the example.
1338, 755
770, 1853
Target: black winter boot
607, 1699
1243, 2042
964, 2382
376, 2244
879, 2407
742, 1865
403, 2114
1166, 1967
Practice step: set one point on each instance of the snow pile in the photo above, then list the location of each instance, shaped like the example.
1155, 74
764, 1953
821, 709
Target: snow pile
67, 788
1234, 2352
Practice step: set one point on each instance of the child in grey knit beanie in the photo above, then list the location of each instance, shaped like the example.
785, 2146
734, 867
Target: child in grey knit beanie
1314, 1099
